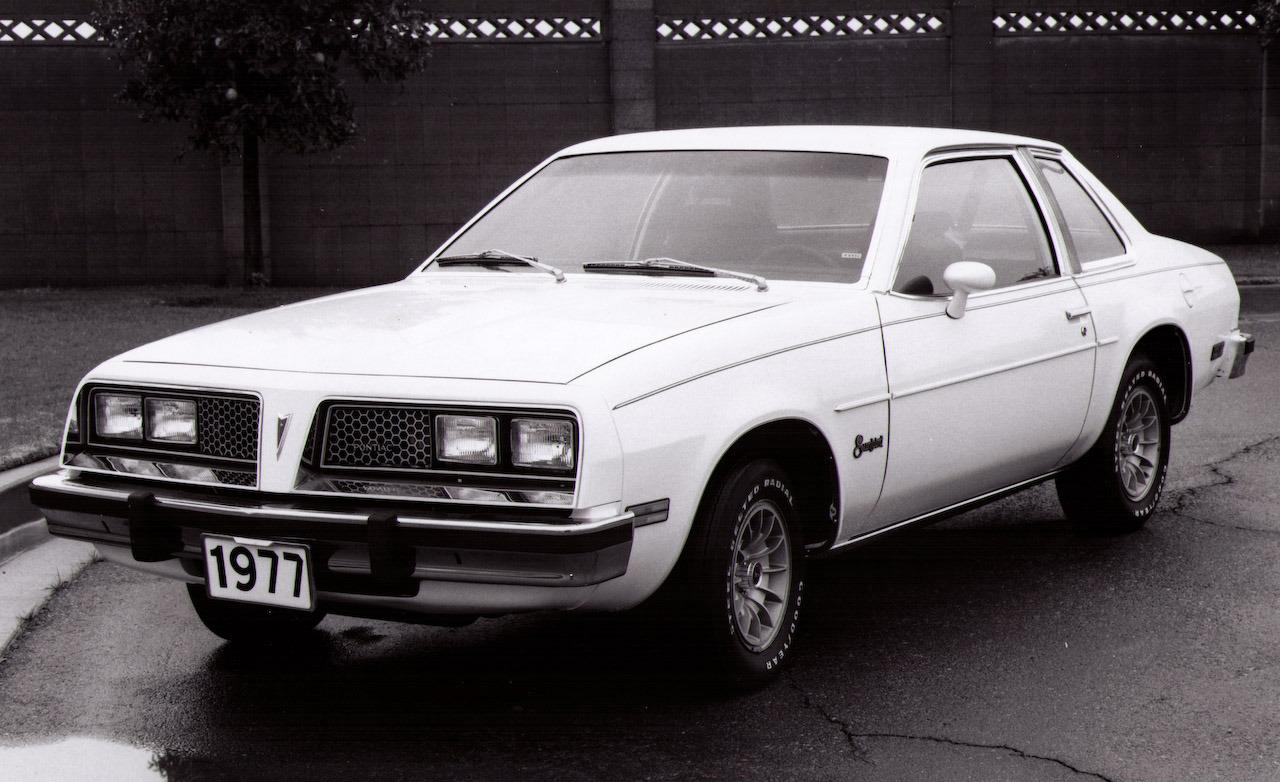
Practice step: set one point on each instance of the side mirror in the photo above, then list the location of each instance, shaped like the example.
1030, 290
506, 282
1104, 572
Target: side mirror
964, 277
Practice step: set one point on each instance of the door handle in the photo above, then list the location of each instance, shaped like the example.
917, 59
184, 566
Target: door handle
1079, 312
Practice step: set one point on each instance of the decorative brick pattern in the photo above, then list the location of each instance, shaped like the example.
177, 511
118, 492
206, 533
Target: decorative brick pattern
443, 29
522, 28
47, 31
737, 28
1122, 22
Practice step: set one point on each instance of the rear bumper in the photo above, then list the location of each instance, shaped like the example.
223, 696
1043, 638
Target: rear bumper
1236, 351
359, 552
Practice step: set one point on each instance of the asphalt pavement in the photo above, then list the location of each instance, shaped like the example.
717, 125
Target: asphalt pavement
998, 645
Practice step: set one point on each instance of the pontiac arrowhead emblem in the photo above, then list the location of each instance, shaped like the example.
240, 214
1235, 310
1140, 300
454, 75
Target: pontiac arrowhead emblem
282, 426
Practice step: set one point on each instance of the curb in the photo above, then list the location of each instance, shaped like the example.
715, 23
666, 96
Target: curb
20, 539
19, 475
28, 581
32, 563
33, 533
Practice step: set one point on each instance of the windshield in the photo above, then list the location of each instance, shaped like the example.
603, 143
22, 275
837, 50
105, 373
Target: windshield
782, 215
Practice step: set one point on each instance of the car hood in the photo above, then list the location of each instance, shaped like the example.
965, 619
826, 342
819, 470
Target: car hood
484, 326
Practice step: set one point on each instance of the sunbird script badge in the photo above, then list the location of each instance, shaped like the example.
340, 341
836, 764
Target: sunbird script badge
863, 445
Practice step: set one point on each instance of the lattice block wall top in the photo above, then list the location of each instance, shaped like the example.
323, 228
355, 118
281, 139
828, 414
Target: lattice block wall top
444, 29
47, 31
503, 28
730, 28
1122, 22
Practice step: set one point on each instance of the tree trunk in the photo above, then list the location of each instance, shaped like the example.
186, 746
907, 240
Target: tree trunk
255, 272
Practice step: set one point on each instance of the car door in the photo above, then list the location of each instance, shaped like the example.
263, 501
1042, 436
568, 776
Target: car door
997, 396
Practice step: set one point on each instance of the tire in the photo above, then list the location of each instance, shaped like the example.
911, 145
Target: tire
741, 576
248, 625
1116, 486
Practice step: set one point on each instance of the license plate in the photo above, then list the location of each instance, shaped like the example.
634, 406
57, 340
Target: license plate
258, 571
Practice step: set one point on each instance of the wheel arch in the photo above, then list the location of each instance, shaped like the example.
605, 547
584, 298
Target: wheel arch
1166, 345
806, 454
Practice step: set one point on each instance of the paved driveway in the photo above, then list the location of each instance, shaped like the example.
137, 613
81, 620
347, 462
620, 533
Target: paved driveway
995, 646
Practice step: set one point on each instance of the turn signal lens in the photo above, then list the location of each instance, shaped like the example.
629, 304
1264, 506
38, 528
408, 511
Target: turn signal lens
541, 442
118, 415
469, 439
171, 420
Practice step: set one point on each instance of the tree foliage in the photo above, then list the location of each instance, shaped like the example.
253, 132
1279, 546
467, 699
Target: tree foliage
271, 69
1268, 15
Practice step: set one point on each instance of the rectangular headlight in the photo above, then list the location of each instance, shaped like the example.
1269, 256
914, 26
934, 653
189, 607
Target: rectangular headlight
469, 439
542, 442
171, 420
118, 415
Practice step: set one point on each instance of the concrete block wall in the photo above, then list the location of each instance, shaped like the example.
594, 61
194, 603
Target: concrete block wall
431, 152
1174, 122
90, 195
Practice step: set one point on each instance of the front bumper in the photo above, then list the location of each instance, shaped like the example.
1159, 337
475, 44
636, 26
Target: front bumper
380, 550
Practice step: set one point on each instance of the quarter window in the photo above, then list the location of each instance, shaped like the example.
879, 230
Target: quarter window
1091, 234
973, 210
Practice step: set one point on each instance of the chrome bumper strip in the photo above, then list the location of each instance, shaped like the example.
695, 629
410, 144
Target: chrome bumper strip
60, 482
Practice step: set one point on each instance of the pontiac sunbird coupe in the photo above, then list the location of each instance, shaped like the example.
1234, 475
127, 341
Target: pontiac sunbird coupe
677, 363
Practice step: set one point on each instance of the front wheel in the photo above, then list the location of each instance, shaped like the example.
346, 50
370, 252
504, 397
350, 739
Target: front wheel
1116, 486
249, 625
744, 574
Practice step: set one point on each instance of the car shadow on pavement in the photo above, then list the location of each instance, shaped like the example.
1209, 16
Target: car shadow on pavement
526, 691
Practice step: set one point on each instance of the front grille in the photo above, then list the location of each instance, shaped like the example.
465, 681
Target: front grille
236, 478
387, 450
228, 428
419, 491
378, 437
225, 452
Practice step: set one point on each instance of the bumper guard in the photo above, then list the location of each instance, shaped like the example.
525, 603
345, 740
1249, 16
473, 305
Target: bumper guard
380, 551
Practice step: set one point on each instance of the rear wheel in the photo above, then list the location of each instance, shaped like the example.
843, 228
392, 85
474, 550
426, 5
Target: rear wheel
246, 624
1116, 486
743, 574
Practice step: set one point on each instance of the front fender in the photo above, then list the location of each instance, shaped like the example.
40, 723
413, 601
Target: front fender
674, 440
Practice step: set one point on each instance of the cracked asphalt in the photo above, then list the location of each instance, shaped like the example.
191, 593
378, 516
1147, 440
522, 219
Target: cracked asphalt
996, 646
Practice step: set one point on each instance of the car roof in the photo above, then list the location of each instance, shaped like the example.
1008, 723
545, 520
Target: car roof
883, 140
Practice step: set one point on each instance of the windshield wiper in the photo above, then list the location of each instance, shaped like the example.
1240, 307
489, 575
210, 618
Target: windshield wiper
674, 266
500, 258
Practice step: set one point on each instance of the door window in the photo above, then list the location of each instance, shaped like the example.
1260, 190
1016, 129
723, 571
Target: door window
973, 210
1091, 234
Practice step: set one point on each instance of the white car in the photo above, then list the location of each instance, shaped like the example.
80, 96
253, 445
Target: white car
678, 362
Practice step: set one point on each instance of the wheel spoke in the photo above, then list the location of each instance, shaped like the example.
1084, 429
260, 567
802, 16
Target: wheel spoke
761, 610
769, 596
760, 578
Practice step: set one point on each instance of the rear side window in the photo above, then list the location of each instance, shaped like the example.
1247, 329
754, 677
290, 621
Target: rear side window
1092, 235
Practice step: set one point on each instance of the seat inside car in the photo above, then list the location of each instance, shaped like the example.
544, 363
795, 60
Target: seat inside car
930, 250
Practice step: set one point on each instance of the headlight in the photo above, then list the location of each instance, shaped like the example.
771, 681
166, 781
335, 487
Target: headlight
118, 415
470, 439
171, 420
541, 442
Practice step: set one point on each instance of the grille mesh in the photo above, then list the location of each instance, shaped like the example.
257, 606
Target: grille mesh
236, 478
391, 489
378, 437
228, 428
